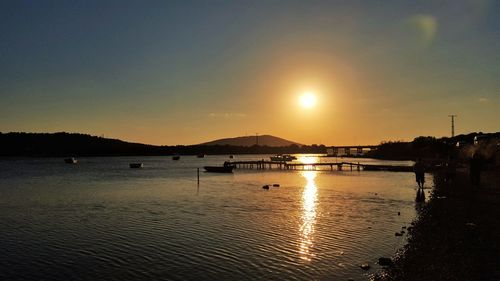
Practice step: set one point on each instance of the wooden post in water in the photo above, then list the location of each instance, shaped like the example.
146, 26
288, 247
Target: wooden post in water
198, 173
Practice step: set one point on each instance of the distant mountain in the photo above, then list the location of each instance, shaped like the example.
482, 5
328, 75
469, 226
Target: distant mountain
76, 145
264, 140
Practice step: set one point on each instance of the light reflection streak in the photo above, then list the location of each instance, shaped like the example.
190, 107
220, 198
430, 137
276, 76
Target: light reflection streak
308, 216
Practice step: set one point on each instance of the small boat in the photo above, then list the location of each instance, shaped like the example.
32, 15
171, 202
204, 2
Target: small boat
231, 156
176, 157
226, 168
282, 157
71, 160
136, 165
201, 155
219, 169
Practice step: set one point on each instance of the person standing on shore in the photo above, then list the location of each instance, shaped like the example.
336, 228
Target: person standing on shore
475, 166
419, 170
451, 170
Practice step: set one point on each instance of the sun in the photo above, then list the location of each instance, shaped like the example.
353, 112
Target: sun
307, 100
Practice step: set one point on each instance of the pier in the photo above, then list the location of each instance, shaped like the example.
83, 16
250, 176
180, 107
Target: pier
332, 166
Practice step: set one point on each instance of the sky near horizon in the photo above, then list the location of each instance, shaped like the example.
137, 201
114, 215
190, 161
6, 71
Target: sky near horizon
187, 72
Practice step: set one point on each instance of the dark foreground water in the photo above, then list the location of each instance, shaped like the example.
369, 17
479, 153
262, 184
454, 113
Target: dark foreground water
101, 220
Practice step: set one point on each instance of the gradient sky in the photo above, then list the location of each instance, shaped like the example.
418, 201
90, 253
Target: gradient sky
185, 72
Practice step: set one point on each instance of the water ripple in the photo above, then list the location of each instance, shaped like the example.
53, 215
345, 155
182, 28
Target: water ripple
107, 222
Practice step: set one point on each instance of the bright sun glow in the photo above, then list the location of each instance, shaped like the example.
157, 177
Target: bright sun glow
308, 100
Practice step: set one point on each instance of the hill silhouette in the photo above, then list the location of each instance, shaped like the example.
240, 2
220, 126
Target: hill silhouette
68, 144
74, 144
264, 140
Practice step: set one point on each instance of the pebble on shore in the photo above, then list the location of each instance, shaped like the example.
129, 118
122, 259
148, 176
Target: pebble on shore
365, 266
383, 261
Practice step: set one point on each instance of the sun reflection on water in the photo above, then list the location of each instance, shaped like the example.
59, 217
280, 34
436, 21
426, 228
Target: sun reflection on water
308, 160
308, 216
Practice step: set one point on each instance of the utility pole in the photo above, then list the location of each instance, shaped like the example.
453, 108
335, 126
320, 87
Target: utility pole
452, 124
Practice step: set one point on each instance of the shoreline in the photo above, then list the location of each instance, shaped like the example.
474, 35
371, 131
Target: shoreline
456, 235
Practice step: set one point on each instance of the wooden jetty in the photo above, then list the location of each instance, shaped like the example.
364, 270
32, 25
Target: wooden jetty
337, 166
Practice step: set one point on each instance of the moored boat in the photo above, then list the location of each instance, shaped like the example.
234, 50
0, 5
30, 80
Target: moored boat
136, 165
201, 155
226, 168
176, 157
283, 157
71, 160
219, 169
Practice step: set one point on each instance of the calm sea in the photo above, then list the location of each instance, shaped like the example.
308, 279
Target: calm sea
101, 220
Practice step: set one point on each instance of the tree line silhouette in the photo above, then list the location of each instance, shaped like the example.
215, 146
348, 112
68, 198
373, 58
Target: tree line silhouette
73, 144
461, 146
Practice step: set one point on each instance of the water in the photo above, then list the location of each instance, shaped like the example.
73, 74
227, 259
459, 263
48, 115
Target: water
100, 219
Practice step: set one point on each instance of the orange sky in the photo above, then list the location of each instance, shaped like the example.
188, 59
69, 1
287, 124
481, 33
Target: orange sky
151, 75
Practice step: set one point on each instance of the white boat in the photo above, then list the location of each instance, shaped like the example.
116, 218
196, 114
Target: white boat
283, 157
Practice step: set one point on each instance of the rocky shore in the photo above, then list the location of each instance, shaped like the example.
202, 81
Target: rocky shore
456, 235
